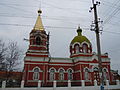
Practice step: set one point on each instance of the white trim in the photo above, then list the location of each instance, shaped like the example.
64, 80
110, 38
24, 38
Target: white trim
37, 50
52, 68
88, 75
36, 53
39, 46
52, 73
60, 73
61, 68
86, 43
70, 75
95, 66
36, 72
70, 69
35, 68
52, 64
77, 71
62, 64
86, 68
104, 69
32, 71
90, 63
75, 44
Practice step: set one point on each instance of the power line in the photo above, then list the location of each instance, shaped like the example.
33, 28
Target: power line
46, 17
109, 10
16, 8
42, 7
112, 14
58, 18
44, 26
84, 28
15, 4
108, 3
112, 32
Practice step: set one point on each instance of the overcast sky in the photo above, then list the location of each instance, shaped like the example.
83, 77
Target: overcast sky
61, 18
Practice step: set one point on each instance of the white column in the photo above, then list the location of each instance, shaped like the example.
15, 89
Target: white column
3, 84
95, 82
39, 83
22, 84
69, 83
107, 82
117, 82
83, 83
54, 84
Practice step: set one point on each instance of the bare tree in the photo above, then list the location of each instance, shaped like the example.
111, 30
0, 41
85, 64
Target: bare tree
13, 61
13, 55
2, 55
10, 60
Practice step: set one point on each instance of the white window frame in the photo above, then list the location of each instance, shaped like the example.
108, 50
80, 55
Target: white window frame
86, 74
105, 74
84, 48
61, 74
70, 74
77, 49
36, 74
52, 75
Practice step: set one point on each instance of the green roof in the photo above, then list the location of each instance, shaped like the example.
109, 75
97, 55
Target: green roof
79, 38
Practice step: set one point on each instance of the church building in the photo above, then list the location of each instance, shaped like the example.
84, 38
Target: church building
82, 64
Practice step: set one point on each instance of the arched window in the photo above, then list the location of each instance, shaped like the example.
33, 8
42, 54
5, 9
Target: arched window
61, 74
70, 75
36, 74
105, 74
38, 40
84, 48
77, 50
86, 74
96, 75
52, 74
95, 69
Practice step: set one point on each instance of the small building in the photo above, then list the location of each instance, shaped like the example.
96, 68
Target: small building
82, 64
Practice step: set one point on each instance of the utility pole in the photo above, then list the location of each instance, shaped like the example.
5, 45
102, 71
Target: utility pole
97, 31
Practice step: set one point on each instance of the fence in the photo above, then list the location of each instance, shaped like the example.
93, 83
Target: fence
69, 86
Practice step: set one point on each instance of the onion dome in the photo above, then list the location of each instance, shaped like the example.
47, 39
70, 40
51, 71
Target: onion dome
80, 44
79, 38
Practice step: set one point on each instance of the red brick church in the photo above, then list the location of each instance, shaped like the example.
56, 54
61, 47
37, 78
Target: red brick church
81, 65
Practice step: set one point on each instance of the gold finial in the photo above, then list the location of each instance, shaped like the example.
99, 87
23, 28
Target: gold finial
39, 11
79, 31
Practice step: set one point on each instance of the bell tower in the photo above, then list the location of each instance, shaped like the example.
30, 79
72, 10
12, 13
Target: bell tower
38, 40
37, 55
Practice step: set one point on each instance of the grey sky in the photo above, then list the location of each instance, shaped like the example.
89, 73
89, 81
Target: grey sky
17, 18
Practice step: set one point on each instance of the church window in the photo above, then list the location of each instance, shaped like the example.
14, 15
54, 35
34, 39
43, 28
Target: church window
84, 48
95, 69
61, 74
52, 74
105, 74
38, 40
86, 74
77, 49
36, 74
70, 75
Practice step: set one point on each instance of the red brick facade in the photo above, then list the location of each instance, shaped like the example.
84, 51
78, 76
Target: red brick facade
82, 64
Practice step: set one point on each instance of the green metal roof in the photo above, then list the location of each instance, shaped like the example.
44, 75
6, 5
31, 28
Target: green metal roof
79, 38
